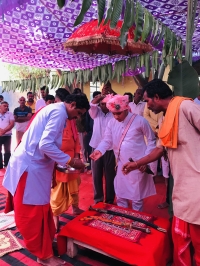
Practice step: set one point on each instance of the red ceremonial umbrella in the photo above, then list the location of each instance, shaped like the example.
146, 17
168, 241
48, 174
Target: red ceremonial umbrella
91, 38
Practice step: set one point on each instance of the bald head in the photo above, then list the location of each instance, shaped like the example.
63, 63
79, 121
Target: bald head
138, 96
22, 101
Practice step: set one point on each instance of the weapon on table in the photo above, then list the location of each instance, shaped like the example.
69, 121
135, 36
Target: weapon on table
122, 224
148, 170
131, 217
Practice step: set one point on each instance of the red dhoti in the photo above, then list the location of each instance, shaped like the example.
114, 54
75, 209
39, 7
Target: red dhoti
35, 223
184, 234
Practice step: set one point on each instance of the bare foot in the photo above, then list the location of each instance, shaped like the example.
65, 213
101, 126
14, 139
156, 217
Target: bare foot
77, 211
53, 261
89, 172
163, 205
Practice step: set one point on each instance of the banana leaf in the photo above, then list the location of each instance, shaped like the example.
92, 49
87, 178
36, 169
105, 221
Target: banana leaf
85, 6
185, 80
109, 12
139, 21
101, 7
61, 3
128, 21
147, 64
146, 27
117, 10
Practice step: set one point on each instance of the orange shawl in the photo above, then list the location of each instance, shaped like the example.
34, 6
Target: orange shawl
168, 133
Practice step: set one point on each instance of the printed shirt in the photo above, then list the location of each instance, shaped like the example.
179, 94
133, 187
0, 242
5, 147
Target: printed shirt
22, 113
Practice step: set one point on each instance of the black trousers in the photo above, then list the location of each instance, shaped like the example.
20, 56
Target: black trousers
88, 149
104, 165
6, 142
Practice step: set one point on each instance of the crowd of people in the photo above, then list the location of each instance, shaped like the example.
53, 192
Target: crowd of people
123, 138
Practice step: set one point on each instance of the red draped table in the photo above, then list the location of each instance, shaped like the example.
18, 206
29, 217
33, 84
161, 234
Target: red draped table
152, 249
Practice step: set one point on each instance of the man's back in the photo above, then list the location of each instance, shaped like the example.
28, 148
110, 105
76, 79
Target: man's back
36, 154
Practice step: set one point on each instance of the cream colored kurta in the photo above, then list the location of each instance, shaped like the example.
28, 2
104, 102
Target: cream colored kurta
135, 185
185, 164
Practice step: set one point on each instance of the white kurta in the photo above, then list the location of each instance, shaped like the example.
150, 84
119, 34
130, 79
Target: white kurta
36, 154
136, 185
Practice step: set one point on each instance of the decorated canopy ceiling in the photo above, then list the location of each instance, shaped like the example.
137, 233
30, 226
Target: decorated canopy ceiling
33, 31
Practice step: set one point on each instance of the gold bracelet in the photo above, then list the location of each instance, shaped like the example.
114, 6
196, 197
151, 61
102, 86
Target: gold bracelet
136, 164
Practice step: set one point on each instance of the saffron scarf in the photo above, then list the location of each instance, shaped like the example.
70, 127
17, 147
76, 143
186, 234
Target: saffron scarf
168, 133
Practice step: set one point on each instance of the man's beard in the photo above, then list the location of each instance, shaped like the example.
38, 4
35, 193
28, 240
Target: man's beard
30, 100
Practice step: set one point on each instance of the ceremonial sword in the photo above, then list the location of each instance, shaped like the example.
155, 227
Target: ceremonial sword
121, 224
131, 217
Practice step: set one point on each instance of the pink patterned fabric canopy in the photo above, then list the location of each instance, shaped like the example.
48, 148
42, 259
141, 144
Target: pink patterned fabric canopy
33, 31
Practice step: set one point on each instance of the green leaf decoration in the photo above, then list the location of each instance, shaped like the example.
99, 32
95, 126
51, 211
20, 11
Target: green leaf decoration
99, 73
167, 44
156, 31
109, 12
162, 31
94, 75
132, 63
117, 10
131, 20
146, 27
61, 3
147, 64
154, 60
33, 85
101, 8
178, 50
120, 68
127, 23
110, 70
85, 6
142, 60
138, 21
123, 39
185, 80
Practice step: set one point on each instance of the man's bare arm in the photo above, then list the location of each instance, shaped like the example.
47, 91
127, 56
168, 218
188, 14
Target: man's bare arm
151, 157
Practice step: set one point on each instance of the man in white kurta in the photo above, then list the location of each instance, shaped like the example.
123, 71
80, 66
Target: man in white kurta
29, 174
137, 185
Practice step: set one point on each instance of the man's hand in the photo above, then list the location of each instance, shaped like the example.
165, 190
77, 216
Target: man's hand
2, 132
107, 90
77, 163
95, 155
143, 168
98, 98
128, 167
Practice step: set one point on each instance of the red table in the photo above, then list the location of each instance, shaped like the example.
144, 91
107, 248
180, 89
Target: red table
152, 250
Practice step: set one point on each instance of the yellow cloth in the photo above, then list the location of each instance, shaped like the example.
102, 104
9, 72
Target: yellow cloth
31, 106
152, 118
168, 133
62, 194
